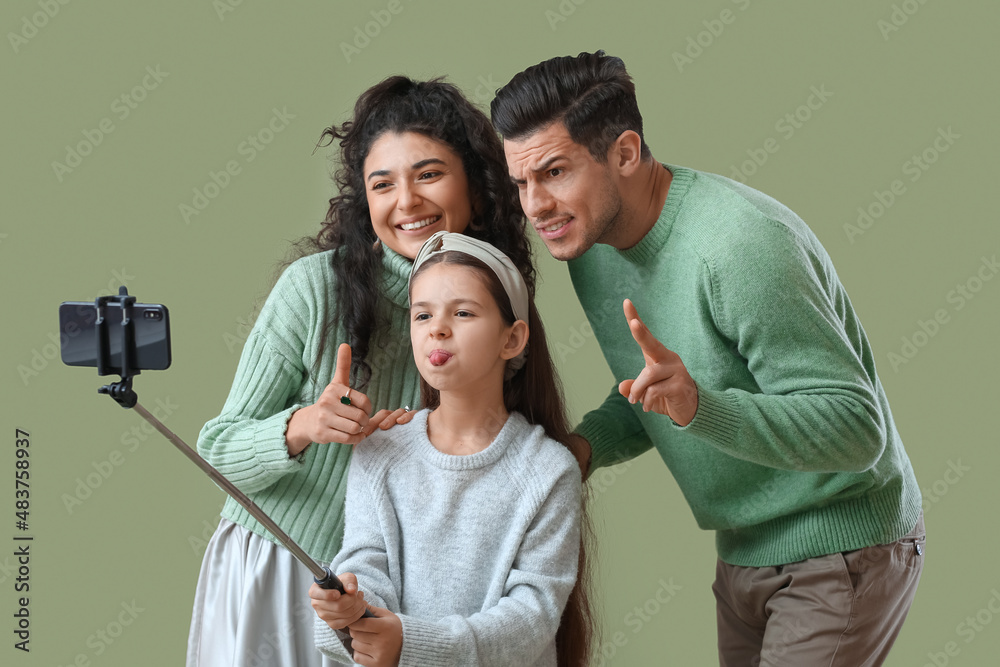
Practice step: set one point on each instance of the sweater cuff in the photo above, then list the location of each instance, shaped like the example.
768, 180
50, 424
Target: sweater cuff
270, 449
717, 419
599, 437
331, 642
424, 643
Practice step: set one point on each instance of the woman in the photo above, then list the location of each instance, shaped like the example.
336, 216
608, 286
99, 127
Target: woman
416, 158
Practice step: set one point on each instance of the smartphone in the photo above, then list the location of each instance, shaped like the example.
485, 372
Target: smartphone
79, 342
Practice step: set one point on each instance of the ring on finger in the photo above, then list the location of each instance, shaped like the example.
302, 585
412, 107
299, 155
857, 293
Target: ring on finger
346, 398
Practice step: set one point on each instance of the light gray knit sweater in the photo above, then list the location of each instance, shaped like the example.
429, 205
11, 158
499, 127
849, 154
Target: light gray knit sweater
477, 554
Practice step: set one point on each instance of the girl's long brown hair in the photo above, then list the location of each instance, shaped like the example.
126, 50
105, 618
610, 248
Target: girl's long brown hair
535, 392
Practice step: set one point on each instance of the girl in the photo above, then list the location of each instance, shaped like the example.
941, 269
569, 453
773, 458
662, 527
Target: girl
416, 158
463, 526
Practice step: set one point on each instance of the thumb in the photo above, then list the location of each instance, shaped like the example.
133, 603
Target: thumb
350, 582
342, 369
624, 387
378, 612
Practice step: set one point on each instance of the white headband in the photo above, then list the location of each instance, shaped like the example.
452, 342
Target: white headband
499, 263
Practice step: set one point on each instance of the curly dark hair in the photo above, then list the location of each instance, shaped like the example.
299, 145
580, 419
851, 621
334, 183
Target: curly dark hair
438, 110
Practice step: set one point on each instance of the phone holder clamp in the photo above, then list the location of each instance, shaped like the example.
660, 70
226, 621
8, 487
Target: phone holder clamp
120, 391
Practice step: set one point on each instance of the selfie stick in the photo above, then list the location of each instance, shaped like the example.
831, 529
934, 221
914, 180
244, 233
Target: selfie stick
123, 394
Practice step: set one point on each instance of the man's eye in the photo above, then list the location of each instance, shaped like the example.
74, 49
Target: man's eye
556, 171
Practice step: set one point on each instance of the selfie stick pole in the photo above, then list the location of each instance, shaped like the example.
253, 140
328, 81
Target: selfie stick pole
123, 394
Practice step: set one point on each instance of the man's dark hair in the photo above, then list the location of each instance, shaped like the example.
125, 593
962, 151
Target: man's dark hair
591, 94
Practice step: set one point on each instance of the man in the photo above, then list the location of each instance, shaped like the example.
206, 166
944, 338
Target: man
756, 383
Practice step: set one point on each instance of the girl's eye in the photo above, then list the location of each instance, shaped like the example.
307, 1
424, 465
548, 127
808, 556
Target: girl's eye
421, 316
463, 313
429, 174
380, 186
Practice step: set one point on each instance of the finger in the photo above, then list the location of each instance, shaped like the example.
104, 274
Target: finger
344, 425
652, 349
650, 376
625, 387
376, 421
392, 419
333, 436
333, 408
342, 369
407, 417
323, 594
350, 582
362, 658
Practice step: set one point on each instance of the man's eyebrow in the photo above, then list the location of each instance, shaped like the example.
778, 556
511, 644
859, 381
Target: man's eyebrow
545, 166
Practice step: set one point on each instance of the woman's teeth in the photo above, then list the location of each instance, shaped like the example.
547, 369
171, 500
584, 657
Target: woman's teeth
410, 226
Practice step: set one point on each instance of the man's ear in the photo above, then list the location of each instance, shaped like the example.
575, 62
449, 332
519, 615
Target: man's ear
517, 338
625, 153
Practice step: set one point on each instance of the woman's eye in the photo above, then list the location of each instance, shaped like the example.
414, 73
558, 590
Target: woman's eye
429, 174
463, 313
380, 186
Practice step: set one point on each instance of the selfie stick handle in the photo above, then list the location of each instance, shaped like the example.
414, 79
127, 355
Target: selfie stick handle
323, 576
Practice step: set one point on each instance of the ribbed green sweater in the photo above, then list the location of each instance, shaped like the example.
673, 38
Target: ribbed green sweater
793, 452
276, 376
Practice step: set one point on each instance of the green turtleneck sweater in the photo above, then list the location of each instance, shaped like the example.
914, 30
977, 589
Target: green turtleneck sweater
793, 452
277, 375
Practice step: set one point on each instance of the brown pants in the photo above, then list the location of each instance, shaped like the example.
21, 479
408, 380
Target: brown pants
840, 610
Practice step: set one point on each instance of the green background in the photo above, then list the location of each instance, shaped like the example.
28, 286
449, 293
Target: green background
137, 538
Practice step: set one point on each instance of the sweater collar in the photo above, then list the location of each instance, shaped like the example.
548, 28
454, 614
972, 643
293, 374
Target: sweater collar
396, 276
650, 244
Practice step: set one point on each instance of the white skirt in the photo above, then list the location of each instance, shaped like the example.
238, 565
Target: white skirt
251, 606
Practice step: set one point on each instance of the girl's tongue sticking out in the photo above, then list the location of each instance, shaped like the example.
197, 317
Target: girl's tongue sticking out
439, 357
